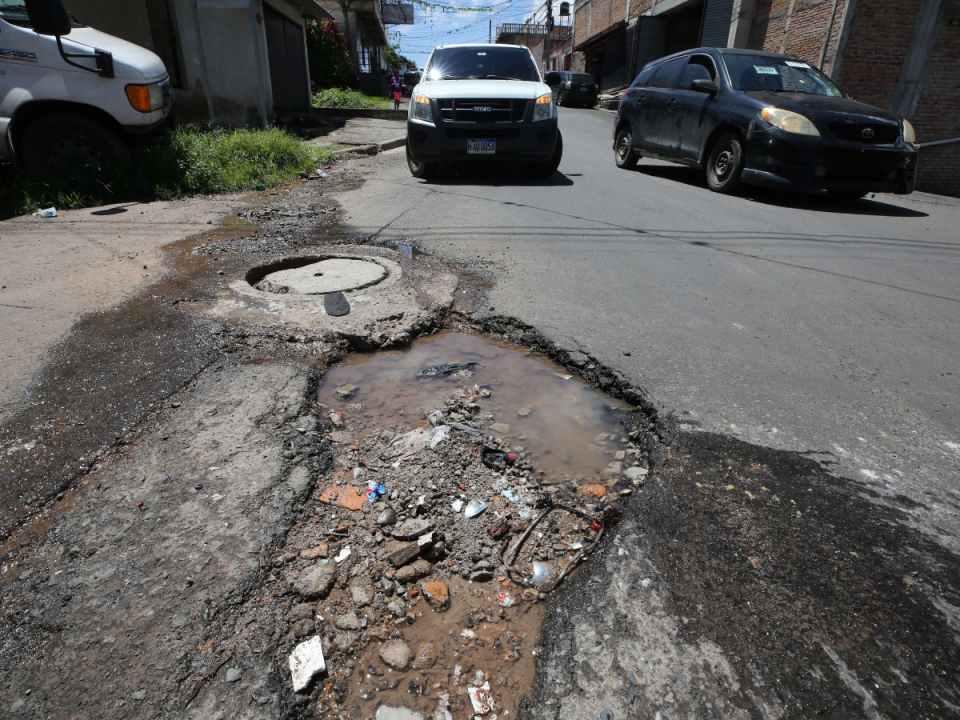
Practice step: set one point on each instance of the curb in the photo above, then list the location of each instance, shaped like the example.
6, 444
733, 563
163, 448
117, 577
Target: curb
374, 148
358, 113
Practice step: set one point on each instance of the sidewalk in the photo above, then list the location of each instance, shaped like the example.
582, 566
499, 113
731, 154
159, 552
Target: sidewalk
364, 135
58, 269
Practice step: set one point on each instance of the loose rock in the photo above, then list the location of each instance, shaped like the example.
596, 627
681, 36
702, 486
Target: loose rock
396, 654
314, 582
306, 661
437, 594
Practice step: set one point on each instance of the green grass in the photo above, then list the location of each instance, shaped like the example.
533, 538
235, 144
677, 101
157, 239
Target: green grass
187, 161
350, 99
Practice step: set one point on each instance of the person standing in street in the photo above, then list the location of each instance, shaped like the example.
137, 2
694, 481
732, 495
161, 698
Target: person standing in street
396, 88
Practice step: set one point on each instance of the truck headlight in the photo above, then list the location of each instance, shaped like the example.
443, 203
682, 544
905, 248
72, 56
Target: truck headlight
421, 108
909, 134
544, 109
145, 98
790, 122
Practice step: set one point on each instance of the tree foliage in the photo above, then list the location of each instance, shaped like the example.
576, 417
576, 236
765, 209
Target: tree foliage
328, 54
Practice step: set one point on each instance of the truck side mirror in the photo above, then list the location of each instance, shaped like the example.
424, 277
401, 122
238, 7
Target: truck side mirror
552, 79
48, 17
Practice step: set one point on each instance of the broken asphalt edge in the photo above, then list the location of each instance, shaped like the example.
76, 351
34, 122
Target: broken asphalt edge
373, 148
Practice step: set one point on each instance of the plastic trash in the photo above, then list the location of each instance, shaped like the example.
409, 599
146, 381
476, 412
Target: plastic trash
439, 436
505, 599
414, 441
344, 554
474, 508
374, 490
261, 187
495, 459
472, 431
457, 505
541, 574
445, 369
50, 212
321, 173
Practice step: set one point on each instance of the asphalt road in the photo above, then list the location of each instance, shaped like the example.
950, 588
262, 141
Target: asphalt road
785, 320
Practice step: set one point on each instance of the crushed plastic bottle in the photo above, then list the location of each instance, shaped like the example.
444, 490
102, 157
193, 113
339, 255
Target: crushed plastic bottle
50, 212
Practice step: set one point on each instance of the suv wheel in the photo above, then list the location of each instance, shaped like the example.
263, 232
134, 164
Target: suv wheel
63, 144
543, 170
421, 168
625, 155
725, 165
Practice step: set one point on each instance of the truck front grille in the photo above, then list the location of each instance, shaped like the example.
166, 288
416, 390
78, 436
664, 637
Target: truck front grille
483, 111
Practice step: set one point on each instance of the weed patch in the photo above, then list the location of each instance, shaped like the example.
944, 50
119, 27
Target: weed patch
187, 161
349, 99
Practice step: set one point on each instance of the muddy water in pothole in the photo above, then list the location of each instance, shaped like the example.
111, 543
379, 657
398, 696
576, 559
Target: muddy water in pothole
566, 428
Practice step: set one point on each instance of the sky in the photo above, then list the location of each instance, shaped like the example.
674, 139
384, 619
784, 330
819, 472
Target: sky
434, 26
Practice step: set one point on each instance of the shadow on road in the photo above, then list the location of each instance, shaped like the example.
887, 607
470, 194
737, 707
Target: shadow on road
798, 200
496, 176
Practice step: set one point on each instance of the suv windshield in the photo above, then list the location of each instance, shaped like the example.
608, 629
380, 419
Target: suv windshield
15, 12
772, 74
487, 62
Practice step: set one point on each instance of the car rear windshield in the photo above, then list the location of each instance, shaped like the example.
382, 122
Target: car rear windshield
582, 78
772, 74
489, 62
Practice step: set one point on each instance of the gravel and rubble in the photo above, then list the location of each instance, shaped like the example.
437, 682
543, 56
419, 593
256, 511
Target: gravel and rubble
422, 609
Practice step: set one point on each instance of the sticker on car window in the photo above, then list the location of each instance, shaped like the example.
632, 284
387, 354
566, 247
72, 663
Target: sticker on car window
765, 70
795, 64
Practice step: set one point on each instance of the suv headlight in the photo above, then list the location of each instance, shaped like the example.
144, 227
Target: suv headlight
790, 122
544, 109
909, 134
145, 98
421, 108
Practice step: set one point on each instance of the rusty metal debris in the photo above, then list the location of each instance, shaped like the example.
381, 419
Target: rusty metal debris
524, 578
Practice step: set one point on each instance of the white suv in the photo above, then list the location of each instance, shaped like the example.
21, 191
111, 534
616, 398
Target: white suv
480, 103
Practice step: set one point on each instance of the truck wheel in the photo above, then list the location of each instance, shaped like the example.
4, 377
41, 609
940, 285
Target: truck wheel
421, 168
65, 142
626, 156
543, 170
725, 165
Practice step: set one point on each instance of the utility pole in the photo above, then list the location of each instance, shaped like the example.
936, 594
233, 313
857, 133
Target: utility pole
490, 30
546, 42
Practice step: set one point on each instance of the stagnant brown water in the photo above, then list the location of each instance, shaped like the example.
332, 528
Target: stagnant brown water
567, 431
560, 433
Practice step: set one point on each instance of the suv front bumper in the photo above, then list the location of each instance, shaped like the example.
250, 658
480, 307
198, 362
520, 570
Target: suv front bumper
515, 141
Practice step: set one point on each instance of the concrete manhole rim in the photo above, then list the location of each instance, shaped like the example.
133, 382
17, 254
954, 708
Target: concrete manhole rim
257, 274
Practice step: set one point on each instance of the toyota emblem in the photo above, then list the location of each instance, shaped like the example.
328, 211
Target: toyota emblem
867, 133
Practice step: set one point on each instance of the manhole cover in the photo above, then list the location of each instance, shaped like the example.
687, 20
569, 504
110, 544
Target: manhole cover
324, 276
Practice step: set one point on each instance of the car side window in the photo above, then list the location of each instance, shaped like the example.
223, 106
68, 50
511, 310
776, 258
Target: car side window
644, 77
700, 67
669, 73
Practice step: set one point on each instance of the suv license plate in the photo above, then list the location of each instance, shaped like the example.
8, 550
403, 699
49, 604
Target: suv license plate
481, 147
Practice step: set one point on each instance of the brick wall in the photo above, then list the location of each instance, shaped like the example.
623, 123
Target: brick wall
808, 25
879, 40
605, 14
937, 116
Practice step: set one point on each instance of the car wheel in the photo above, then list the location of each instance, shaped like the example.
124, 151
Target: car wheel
64, 144
624, 153
543, 170
845, 195
421, 168
725, 165
561, 99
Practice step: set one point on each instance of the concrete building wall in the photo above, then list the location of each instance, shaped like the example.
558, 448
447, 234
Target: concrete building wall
127, 19
938, 112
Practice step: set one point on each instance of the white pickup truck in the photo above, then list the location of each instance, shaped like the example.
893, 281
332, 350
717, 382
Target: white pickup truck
482, 103
69, 93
